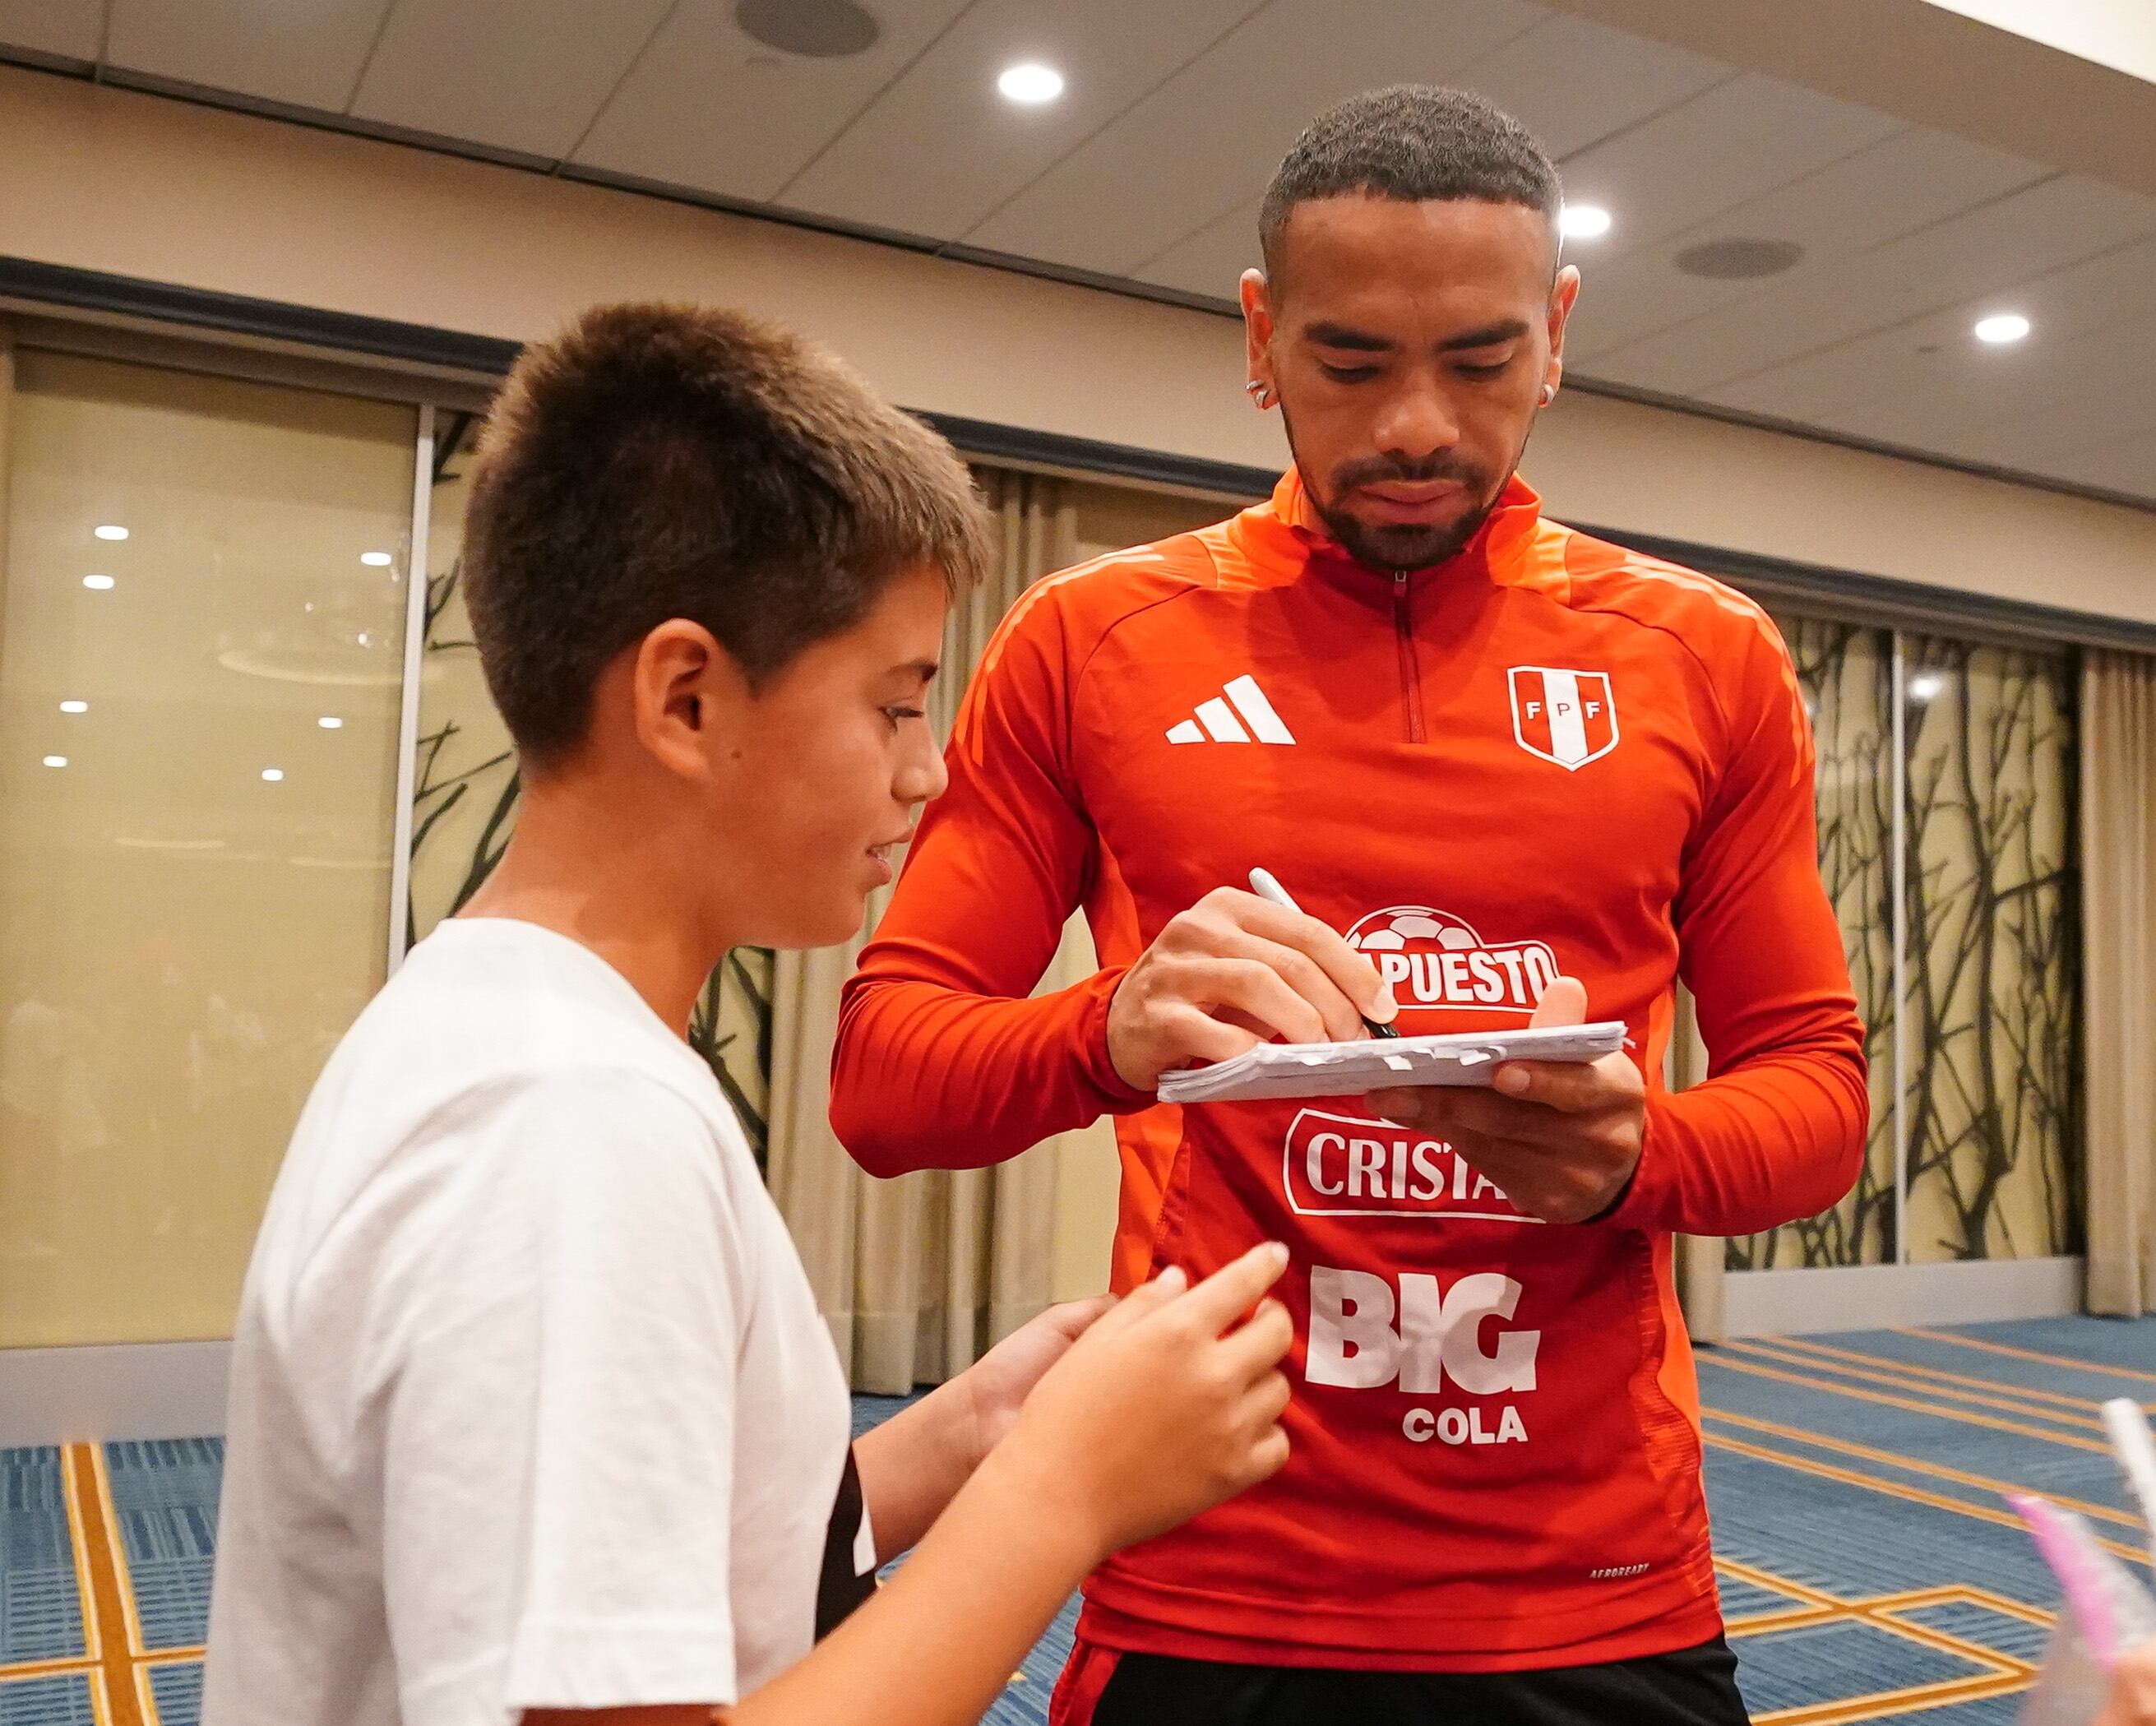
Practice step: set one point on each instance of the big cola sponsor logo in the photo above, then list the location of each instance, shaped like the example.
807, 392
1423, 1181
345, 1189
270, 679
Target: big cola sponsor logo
1428, 1338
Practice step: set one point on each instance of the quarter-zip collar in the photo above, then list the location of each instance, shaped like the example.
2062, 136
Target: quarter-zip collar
1285, 538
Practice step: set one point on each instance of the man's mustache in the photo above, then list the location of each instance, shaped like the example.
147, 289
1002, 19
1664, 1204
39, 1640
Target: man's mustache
1403, 473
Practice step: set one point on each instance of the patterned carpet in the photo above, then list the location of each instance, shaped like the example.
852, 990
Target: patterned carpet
1870, 1569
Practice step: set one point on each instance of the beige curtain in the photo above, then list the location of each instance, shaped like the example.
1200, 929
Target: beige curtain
1700, 1258
2118, 898
917, 1277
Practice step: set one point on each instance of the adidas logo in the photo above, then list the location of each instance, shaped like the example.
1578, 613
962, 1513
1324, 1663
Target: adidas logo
1217, 720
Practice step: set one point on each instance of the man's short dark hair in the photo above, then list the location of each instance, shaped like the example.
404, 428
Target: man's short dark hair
1413, 142
654, 462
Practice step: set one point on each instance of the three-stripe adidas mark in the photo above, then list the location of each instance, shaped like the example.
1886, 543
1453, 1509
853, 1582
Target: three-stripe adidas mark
1217, 720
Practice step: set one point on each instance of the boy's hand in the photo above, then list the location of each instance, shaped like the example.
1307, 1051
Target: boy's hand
2133, 1689
1005, 1377
1161, 1409
1559, 1139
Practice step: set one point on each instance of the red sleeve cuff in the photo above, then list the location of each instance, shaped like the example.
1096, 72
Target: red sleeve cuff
1116, 1097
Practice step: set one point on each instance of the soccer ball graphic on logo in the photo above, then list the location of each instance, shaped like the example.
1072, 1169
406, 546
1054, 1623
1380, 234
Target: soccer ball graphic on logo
1430, 959
1391, 931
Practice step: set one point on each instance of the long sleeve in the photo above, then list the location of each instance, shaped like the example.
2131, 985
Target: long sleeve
941, 1062
1777, 1131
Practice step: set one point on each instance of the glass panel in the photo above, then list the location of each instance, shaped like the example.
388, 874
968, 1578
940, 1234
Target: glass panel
1993, 962
198, 707
1847, 674
466, 789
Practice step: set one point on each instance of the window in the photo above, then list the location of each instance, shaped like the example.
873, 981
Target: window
1974, 1149
201, 573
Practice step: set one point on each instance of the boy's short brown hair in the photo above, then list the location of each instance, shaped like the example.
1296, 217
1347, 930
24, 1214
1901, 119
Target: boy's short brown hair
660, 461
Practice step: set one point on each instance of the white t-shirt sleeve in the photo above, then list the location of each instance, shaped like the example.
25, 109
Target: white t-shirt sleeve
557, 1353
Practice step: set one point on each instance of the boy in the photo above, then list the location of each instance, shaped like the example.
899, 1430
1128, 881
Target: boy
532, 1414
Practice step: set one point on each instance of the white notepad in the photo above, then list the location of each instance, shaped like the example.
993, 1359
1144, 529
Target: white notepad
1384, 1063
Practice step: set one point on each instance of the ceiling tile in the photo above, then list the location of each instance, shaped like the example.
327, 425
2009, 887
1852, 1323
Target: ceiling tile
1212, 260
309, 55
1906, 180
1960, 261
1726, 146
2086, 317
70, 27
940, 150
709, 107
2127, 466
1572, 82
519, 75
1209, 139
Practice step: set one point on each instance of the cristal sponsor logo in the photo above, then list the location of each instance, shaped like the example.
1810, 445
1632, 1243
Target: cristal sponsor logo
1350, 1165
1432, 958
1430, 1339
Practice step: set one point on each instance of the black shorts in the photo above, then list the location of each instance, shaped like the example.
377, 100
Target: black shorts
1694, 1687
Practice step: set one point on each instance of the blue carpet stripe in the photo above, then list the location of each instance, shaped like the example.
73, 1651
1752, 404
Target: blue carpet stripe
1839, 1663
1926, 1434
177, 1689
165, 1497
2126, 1343
1982, 1625
2092, 1384
62, 1701
1855, 1372
40, 1605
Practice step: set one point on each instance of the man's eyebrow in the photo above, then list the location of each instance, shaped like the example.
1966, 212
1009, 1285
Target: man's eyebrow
925, 670
1489, 336
1341, 336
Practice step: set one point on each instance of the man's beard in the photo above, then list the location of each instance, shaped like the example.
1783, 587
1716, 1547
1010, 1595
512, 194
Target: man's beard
1404, 545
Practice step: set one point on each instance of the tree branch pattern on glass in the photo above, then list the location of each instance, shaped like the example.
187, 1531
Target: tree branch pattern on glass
1846, 674
465, 791
1991, 1019
1992, 1011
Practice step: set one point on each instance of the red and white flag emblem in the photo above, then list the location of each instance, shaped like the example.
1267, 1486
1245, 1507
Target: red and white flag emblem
1569, 717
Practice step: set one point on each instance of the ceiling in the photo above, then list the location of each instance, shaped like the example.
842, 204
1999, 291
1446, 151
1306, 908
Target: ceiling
1148, 170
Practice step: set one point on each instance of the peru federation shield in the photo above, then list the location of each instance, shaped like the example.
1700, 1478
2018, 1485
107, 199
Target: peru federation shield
1568, 718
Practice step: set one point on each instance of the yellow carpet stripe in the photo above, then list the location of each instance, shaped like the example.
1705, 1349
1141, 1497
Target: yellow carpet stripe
1786, 1357
1876, 1610
2020, 1392
112, 1680
1910, 1495
2006, 1348
1936, 1471
1721, 1359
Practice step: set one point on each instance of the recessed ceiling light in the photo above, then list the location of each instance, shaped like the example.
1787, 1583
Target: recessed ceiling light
1030, 83
1925, 685
2001, 328
376, 560
56, 761
97, 583
109, 531
1583, 221
330, 722
362, 637
75, 706
273, 774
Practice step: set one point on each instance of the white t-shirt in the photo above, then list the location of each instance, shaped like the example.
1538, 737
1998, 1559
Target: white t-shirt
531, 1404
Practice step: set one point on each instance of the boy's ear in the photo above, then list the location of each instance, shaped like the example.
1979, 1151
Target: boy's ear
689, 695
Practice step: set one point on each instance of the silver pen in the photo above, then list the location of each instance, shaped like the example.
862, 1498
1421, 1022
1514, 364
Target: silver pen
1266, 888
